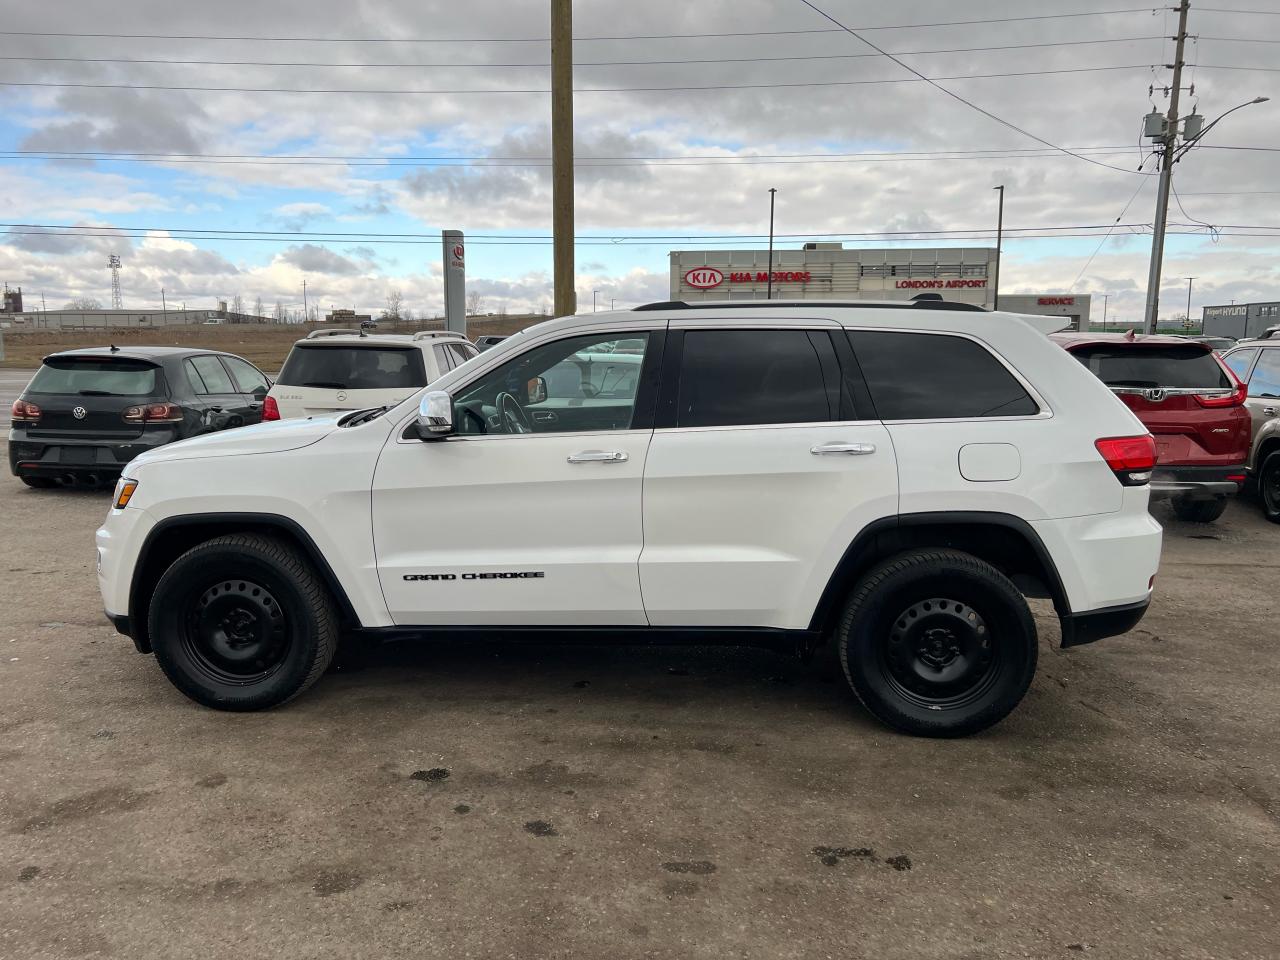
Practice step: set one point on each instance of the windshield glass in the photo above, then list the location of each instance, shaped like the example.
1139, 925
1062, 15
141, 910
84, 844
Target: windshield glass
353, 368
96, 376
1163, 365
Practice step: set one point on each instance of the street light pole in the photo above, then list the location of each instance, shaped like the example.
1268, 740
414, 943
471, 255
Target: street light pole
1106, 298
594, 305
1189, 279
995, 304
773, 191
164, 307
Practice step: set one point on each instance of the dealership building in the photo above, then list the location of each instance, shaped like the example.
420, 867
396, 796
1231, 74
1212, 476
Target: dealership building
1240, 320
827, 271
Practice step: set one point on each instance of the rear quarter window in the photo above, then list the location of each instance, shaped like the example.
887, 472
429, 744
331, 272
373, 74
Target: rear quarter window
354, 368
928, 376
104, 377
1154, 365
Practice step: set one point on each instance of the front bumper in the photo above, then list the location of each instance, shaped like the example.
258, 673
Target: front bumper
1195, 483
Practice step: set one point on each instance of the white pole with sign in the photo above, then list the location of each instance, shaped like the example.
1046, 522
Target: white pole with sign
455, 286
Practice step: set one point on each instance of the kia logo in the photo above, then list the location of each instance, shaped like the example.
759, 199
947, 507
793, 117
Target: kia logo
79, 413
704, 278
1155, 396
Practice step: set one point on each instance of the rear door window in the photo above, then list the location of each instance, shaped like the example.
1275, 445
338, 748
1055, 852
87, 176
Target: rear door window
97, 377
1265, 381
1155, 365
248, 377
354, 368
444, 359
928, 376
210, 376
1239, 362
462, 352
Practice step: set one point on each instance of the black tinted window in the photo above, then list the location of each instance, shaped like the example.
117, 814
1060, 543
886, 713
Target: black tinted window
444, 359
730, 377
926, 376
209, 376
248, 377
101, 377
1156, 365
353, 368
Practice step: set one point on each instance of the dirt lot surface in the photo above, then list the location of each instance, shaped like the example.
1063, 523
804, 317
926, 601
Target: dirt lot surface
266, 346
547, 801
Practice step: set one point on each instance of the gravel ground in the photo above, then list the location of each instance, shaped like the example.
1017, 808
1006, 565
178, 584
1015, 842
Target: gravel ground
583, 801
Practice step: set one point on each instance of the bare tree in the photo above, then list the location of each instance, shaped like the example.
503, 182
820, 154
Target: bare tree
85, 303
237, 304
475, 303
258, 308
395, 304
281, 315
409, 314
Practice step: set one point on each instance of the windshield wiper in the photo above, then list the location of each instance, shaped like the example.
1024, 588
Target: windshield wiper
97, 393
330, 384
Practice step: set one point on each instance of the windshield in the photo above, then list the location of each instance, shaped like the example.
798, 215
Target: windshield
353, 368
96, 377
1157, 365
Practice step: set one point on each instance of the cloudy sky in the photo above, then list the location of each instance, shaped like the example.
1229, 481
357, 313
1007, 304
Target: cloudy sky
419, 115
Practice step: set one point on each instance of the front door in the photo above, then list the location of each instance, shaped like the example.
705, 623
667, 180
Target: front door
764, 468
529, 514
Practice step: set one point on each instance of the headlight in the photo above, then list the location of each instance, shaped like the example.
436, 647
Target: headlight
124, 492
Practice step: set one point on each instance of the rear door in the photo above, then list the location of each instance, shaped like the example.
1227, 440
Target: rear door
1180, 391
252, 384
221, 404
763, 469
1264, 393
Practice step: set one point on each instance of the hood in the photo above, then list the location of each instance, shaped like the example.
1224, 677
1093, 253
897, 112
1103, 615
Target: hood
275, 437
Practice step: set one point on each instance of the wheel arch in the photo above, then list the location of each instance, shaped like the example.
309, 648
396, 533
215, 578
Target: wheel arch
174, 536
1006, 542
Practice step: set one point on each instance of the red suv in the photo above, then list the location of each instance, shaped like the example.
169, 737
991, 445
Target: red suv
1192, 404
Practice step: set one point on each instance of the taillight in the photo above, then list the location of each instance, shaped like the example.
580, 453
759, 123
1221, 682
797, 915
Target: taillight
24, 412
1131, 458
270, 411
1234, 399
153, 413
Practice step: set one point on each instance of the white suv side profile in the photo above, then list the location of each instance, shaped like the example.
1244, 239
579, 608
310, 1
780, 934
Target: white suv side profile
331, 371
894, 477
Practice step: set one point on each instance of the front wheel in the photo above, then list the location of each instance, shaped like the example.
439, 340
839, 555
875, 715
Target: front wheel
1269, 486
1199, 511
938, 644
242, 622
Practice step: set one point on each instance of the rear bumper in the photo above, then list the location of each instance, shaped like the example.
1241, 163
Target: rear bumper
1194, 482
1081, 628
53, 457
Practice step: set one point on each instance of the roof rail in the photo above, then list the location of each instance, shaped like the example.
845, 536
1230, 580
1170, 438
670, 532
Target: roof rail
815, 305
427, 334
341, 332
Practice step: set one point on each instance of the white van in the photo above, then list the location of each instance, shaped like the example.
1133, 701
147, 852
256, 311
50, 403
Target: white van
332, 371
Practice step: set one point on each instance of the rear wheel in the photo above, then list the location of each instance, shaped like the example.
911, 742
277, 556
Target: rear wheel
38, 483
1199, 511
242, 623
1269, 486
938, 644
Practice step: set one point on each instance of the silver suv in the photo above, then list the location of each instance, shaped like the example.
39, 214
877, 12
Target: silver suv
1257, 363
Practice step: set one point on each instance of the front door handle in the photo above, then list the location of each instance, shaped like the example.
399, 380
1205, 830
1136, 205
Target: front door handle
598, 456
839, 446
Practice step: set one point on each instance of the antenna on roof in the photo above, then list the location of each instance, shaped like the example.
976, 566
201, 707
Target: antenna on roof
114, 348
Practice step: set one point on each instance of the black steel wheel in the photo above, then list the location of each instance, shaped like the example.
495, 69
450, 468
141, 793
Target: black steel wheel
242, 622
1269, 486
938, 643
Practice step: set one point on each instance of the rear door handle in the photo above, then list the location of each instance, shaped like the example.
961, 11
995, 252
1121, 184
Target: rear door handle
838, 446
598, 456
255, 405
1269, 411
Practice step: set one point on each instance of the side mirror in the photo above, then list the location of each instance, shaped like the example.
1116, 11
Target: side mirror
435, 415
536, 390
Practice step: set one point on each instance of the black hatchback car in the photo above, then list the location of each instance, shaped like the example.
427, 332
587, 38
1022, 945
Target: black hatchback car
87, 413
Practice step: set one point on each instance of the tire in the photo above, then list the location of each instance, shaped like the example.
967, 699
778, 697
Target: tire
242, 622
1269, 486
1199, 511
938, 643
38, 483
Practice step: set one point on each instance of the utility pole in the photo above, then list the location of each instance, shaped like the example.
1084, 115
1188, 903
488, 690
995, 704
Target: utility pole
1169, 141
995, 303
566, 299
595, 300
305, 313
773, 192
1106, 298
1189, 279
164, 307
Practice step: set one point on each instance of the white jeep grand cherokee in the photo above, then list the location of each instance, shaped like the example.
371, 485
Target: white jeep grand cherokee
895, 476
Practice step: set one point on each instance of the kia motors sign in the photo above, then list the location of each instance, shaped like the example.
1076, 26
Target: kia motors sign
704, 278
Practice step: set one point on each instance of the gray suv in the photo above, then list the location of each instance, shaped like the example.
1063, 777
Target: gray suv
1257, 363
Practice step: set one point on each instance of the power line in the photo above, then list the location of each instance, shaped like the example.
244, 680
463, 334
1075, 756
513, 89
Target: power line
581, 90
654, 36
1260, 13
955, 96
1106, 236
577, 64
